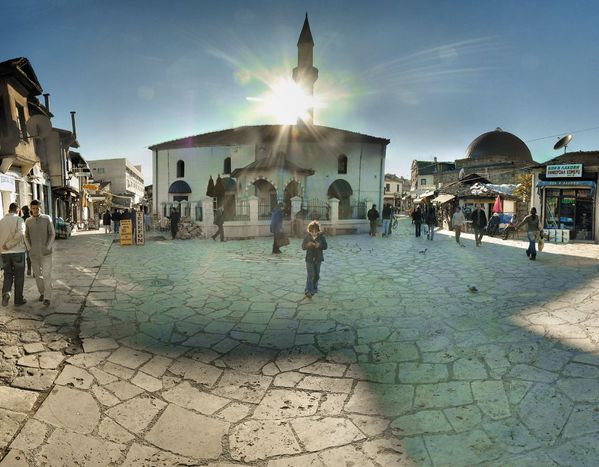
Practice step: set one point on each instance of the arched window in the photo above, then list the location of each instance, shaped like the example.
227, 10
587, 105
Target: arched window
227, 166
342, 164
180, 169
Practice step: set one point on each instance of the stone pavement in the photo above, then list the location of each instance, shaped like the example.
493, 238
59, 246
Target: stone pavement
203, 353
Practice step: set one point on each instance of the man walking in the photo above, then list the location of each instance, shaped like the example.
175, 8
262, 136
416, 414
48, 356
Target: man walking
373, 218
479, 222
106, 220
431, 222
276, 227
417, 219
219, 221
39, 238
12, 242
387, 213
175, 217
457, 222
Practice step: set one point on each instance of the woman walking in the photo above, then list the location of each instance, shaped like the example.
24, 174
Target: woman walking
314, 244
533, 229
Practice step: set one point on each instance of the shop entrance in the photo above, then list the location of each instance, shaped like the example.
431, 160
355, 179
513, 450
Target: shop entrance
570, 210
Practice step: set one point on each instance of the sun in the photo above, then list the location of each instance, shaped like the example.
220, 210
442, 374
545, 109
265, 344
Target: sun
285, 101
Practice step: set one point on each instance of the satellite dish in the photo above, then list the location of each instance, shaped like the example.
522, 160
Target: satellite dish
461, 174
563, 143
39, 126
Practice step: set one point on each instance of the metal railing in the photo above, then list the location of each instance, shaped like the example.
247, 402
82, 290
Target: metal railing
242, 210
355, 211
318, 210
264, 210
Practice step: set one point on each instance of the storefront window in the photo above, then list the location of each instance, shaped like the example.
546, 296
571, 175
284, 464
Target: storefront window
570, 210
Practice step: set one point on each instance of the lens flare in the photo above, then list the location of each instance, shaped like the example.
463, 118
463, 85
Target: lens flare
285, 102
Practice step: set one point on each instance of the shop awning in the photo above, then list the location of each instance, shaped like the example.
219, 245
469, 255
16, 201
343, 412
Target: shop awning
568, 184
442, 199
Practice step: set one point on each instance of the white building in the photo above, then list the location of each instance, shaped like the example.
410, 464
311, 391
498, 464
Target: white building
303, 165
126, 180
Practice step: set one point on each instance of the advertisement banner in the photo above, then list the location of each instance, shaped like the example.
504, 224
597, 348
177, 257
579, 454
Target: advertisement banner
564, 170
7, 183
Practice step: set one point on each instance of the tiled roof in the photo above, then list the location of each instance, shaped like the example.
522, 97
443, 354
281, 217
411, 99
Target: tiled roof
22, 70
269, 134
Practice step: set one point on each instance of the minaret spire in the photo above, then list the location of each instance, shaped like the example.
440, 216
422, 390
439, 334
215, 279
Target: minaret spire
305, 74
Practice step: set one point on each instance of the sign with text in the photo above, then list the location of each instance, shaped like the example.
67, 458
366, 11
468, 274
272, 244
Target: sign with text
140, 237
126, 232
7, 183
564, 171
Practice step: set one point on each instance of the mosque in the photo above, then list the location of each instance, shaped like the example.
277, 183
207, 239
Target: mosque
305, 162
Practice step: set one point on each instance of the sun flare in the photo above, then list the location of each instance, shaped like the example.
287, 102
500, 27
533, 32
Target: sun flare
286, 102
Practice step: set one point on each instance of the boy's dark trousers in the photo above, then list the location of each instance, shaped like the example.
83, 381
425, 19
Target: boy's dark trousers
313, 269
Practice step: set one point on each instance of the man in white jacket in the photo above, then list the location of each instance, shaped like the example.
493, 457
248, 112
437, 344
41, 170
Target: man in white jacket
12, 233
39, 237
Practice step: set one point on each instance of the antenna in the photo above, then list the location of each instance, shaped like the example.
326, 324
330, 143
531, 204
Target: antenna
563, 143
39, 126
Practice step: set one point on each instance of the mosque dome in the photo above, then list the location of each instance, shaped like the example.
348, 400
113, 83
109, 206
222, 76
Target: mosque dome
499, 143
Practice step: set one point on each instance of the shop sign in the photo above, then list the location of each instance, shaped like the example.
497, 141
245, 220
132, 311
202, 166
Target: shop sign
564, 170
139, 233
7, 183
91, 187
126, 232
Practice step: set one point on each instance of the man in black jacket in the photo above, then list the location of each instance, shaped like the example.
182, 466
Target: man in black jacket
479, 222
373, 217
387, 213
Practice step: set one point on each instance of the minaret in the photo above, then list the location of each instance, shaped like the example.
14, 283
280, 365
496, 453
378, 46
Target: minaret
305, 74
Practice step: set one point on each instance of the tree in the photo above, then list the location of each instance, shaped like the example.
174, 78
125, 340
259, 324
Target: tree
524, 187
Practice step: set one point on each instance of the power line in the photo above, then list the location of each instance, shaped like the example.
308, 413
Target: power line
562, 134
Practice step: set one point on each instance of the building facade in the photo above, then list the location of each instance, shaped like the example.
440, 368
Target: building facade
302, 165
396, 188
126, 180
23, 174
564, 191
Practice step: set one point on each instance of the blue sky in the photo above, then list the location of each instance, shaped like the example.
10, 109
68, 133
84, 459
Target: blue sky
429, 75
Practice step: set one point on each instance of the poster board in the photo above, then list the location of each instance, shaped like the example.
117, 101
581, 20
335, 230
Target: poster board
126, 232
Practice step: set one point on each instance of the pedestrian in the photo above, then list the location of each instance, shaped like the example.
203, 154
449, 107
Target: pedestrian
417, 220
147, 219
457, 222
431, 222
314, 243
116, 218
39, 238
175, 217
12, 243
106, 220
387, 212
533, 229
219, 221
276, 227
373, 218
25, 214
479, 222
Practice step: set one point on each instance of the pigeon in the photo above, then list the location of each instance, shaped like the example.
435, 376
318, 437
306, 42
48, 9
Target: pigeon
423, 252
472, 288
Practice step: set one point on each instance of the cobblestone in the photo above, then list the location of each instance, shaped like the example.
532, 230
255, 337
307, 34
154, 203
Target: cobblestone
393, 362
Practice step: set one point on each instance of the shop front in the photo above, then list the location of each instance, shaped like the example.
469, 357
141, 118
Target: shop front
569, 205
566, 196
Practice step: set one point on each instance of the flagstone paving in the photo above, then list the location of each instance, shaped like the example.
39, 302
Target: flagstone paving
203, 353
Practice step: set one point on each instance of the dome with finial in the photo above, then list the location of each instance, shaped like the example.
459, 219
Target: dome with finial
499, 143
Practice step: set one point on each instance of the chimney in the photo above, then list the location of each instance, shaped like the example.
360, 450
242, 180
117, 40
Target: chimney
47, 101
73, 124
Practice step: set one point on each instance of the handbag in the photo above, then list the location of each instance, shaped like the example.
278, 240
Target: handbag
541, 243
